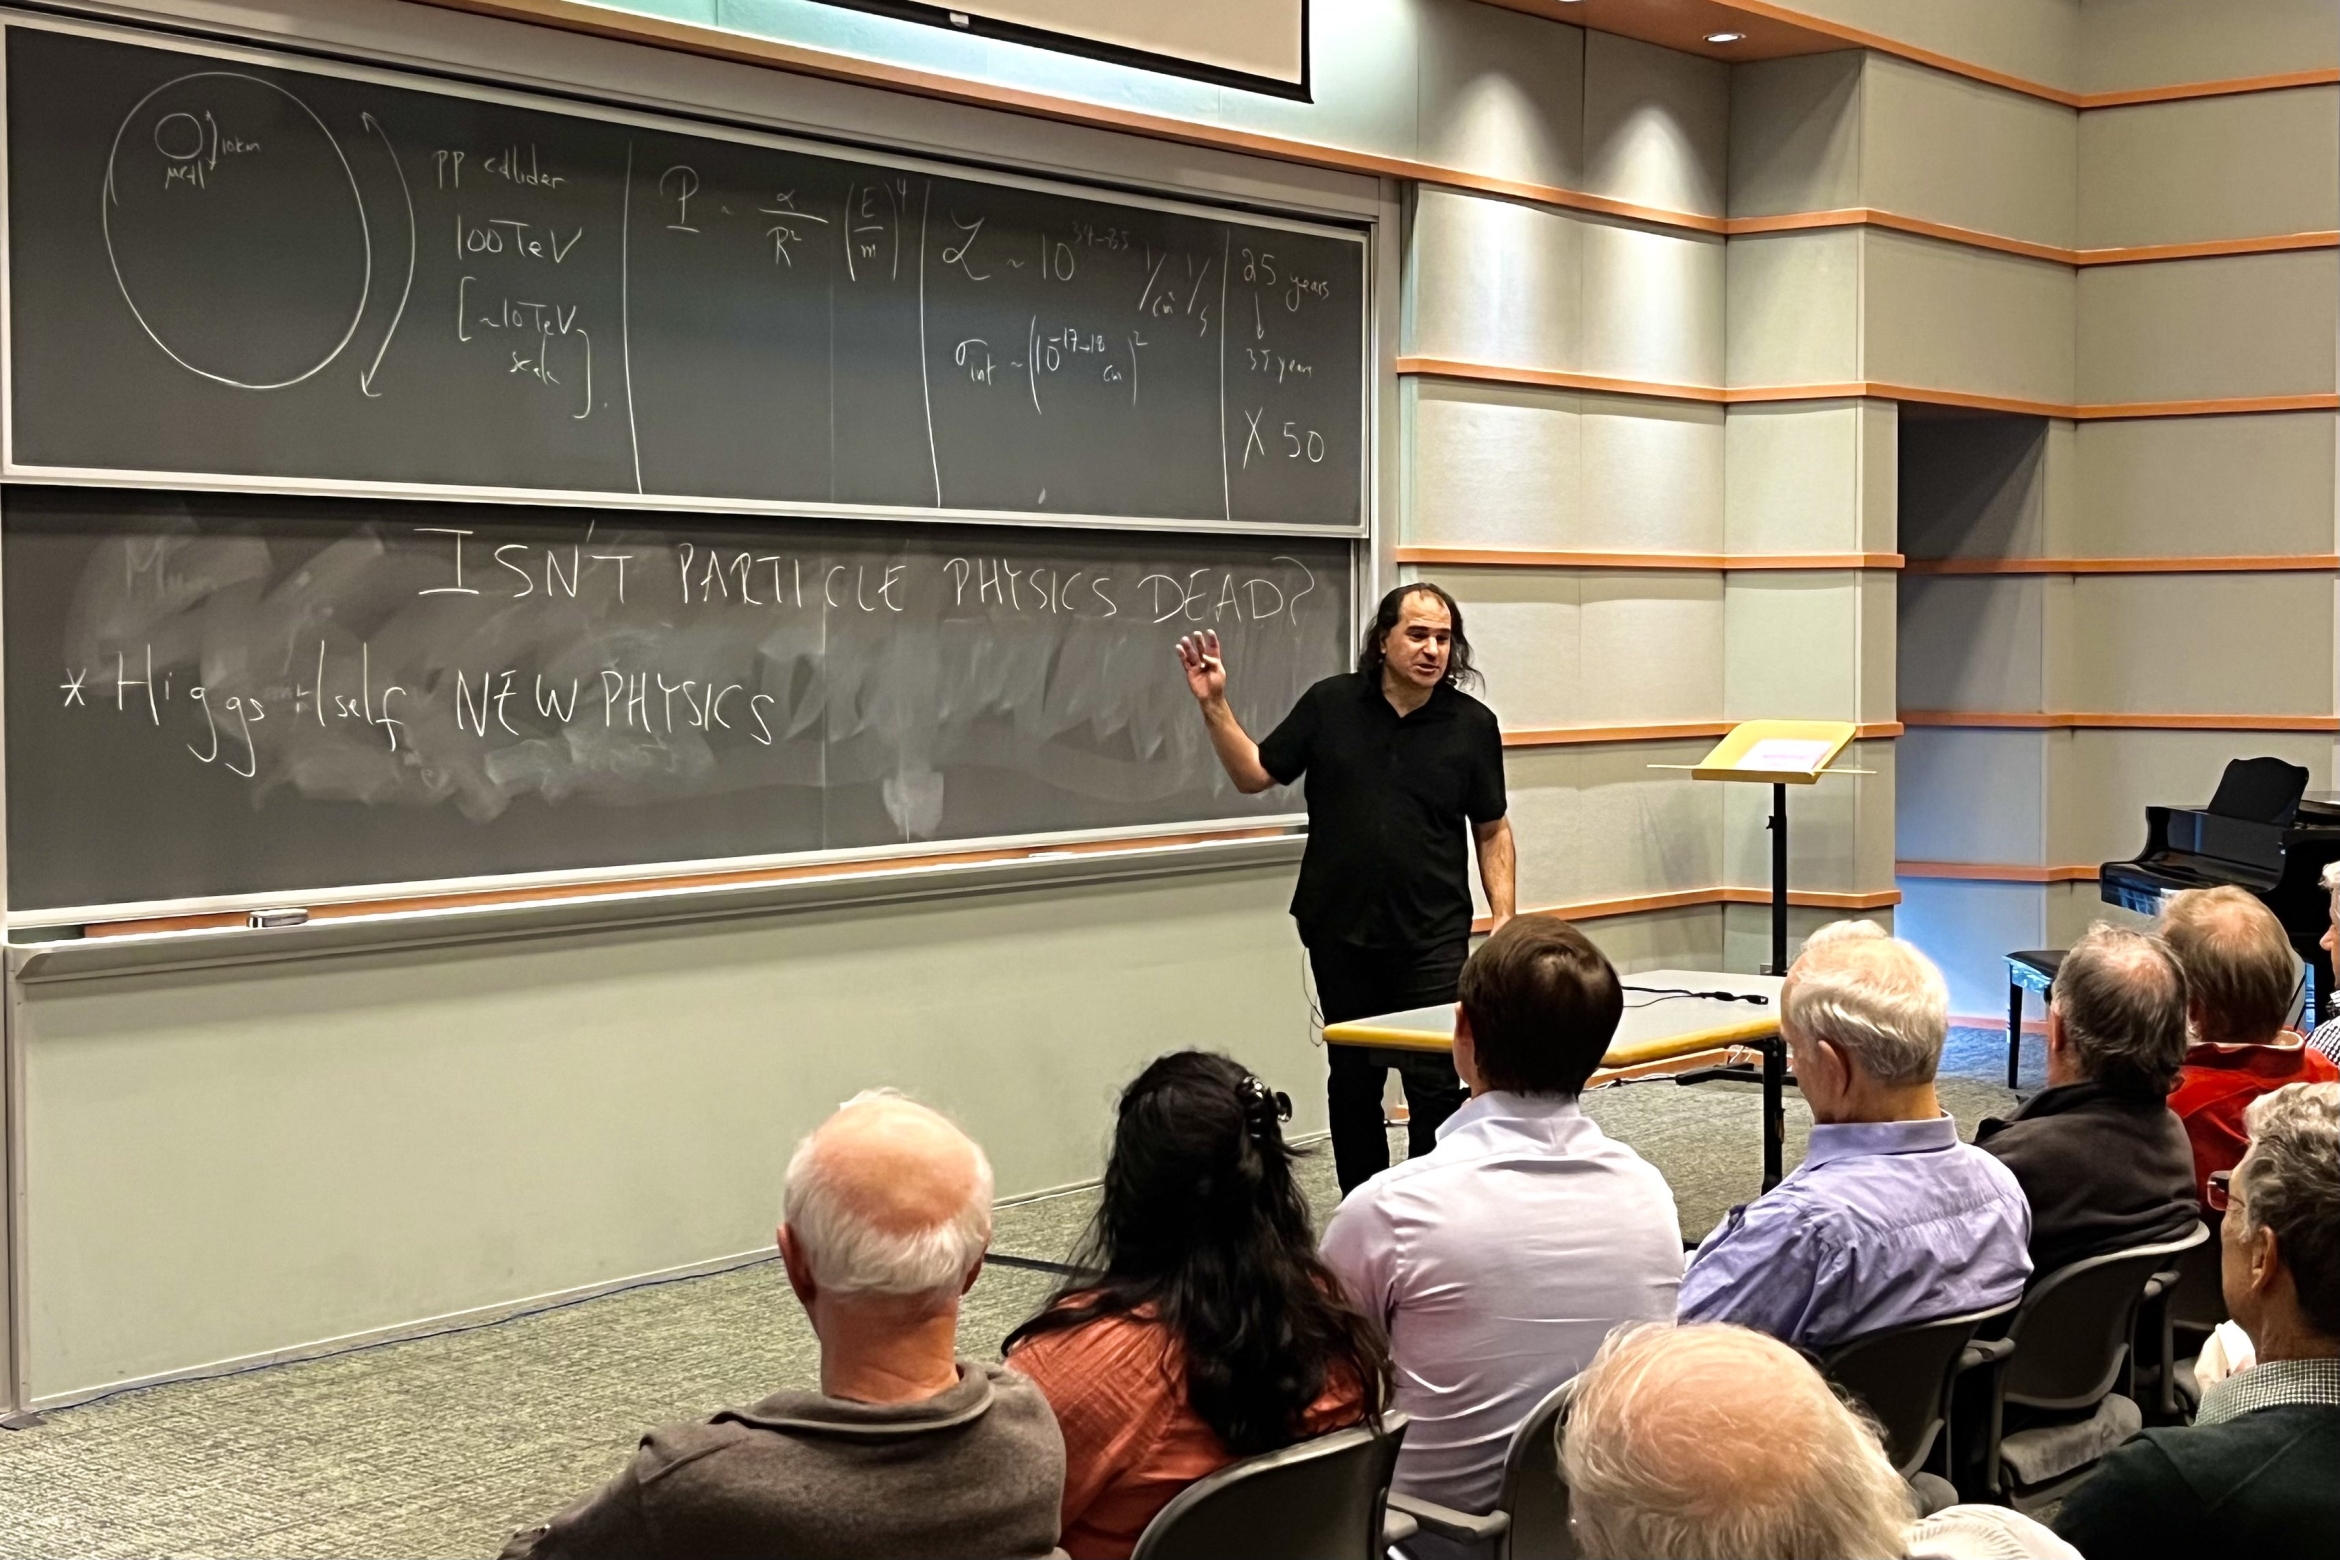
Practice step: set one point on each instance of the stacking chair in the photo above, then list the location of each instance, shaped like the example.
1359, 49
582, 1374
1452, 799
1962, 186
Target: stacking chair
2178, 1323
1530, 1519
1905, 1377
2067, 1350
1322, 1499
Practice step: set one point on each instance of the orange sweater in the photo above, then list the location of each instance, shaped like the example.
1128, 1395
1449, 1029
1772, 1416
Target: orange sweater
1131, 1439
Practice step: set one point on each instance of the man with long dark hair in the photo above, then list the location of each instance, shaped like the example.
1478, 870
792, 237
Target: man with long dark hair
1402, 767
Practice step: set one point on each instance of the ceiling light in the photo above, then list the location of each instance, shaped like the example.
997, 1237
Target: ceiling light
1726, 37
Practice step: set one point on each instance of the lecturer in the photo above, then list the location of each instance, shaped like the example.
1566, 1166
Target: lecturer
1400, 763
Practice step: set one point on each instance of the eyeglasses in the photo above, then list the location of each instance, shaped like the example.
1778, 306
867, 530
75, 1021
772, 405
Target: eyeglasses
2220, 1191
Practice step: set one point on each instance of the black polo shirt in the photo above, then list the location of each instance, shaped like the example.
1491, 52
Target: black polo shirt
1388, 798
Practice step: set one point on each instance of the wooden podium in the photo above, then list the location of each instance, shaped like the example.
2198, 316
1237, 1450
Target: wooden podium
1778, 753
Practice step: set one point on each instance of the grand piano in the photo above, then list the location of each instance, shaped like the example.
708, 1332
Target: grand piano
2260, 832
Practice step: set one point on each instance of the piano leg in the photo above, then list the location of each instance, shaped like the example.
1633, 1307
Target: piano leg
2014, 1031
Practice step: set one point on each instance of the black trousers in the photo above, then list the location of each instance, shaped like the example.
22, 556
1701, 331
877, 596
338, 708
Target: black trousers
1354, 982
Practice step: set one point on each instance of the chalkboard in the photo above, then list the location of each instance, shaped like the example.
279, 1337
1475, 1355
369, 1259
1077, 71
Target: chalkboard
211, 695
228, 271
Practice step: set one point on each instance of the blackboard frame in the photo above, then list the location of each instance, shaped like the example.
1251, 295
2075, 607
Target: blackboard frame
715, 125
1169, 839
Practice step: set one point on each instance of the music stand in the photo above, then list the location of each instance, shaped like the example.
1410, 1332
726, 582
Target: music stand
1777, 753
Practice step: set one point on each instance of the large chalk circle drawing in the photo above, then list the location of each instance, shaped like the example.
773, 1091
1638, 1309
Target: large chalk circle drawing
236, 230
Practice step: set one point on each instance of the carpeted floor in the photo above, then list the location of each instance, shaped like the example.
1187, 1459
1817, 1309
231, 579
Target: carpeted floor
444, 1445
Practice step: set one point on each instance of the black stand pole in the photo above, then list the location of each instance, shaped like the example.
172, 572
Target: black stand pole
1775, 1048
1775, 1058
1779, 959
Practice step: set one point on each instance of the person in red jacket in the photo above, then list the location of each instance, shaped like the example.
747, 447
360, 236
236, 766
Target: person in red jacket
2243, 983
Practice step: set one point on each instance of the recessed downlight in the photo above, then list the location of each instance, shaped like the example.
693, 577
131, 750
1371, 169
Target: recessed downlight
1726, 37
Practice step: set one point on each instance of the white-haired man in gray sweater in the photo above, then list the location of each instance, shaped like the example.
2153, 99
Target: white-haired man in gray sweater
906, 1449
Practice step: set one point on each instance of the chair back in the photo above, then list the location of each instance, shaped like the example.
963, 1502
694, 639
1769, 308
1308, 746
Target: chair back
1321, 1499
2198, 1301
1904, 1376
1535, 1497
2071, 1334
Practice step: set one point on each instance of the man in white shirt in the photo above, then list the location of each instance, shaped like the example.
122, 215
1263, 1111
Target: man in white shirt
1500, 1259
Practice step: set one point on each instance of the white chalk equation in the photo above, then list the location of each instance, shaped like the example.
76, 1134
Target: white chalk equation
406, 285
464, 663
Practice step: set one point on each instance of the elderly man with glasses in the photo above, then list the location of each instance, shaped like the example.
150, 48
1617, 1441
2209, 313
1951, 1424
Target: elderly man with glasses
2256, 1472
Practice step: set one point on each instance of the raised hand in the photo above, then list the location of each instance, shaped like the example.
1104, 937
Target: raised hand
1205, 668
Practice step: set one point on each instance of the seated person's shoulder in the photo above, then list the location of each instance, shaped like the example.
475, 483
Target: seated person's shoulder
2269, 1470
1106, 1365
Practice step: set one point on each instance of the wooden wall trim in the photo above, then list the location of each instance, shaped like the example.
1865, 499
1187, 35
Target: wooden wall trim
1561, 558
1976, 238
1658, 731
2233, 86
1699, 898
1415, 366
1862, 38
2227, 563
602, 21
605, 888
2077, 720
2209, 249
1996, 871
1557, 379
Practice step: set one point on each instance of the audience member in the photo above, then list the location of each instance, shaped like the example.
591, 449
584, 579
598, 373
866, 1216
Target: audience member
1890, 1219
2255, 1474
2244, 983
1204, 1328
2103, 1161
1704, 1442
2326, 1039
905, 1449
1499, 1259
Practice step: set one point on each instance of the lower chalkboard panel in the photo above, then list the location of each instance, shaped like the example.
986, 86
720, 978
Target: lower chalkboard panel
212, 696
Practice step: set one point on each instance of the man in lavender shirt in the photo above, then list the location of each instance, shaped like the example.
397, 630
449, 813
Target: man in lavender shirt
1500, 1259
1890, 1219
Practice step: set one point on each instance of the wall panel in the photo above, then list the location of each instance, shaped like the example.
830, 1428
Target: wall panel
1499, 94
233, 1161
1516, 466
1974, 642
1493, 281
1969, 929
2211, 168
1949, 317
1975, 487
2125, 44
1801, 645
2228, 643
1971, 796
2038, 40
1950, 149
1652, 304
1656, 123
1526, 636
2241, 325
1795, 138
2167, 485
1792, 314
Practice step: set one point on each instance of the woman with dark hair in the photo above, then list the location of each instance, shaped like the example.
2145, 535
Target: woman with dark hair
1403, 767
1202, 1326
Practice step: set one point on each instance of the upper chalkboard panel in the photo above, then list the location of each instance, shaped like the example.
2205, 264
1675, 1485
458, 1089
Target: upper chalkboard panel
228, 273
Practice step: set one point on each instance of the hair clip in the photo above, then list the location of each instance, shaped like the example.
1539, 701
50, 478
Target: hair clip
1263, 1107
